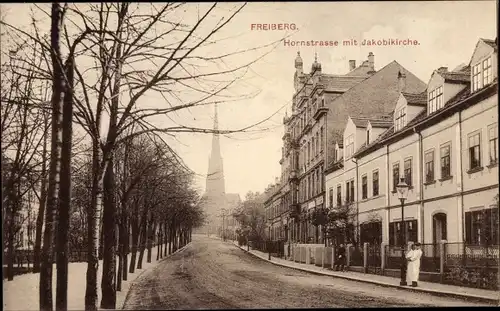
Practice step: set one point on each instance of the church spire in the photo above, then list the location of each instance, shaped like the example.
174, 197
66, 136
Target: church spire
215, 179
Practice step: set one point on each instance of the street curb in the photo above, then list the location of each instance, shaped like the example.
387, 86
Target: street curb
412, 289
143, 271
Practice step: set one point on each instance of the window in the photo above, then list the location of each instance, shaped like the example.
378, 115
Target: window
313, 147
339, 195
481, 227
429, 166
395, 176
308, 151
400, 120
322, 138
487, 76
407, 172
411, 232
352, 190
364, 187
375, 183
367, 137
318, 185
493, 143
445, 161
475, 151
476, 77
330, 196
349, 190
436, 99
317, 143
349, 149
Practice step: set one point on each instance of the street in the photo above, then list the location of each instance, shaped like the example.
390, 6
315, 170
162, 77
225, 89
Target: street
211, 274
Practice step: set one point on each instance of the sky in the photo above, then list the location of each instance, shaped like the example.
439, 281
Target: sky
447, 32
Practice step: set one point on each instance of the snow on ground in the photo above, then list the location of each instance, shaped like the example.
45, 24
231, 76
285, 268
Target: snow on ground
22, 292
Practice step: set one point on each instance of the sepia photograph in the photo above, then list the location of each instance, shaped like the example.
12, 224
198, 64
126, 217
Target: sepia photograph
249, 155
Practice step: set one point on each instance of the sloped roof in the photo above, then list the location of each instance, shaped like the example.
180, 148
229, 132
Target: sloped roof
362, 121
381, 123
416, 99
361, 70
421, 116
455, 76
340, 83
378, 94
490, 42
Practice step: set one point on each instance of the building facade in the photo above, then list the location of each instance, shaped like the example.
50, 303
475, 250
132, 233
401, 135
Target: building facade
444, 143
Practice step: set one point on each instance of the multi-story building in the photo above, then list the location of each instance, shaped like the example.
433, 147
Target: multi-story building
313, 134
444, 143
304, 142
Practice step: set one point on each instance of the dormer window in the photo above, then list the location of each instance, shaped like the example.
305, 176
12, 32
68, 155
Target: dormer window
349, 146
436, 99
487, 75
482, 74
400, 120
476, 77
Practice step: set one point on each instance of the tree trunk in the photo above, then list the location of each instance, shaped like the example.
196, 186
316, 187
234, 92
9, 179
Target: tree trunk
151, 239
42, 202
135, 238
126, 244
143, 235
167, 242
12, 208
58, 86
108, 289
160, 243
65, 192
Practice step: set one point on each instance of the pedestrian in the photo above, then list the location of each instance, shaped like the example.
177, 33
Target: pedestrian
413, 270
340, 265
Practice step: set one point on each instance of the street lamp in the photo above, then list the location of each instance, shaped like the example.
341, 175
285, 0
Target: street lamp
402, 189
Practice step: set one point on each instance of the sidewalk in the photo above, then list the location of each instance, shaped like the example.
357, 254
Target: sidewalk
26, 285
482, 295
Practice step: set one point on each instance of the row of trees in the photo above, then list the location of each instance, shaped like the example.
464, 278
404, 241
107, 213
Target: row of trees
77, 132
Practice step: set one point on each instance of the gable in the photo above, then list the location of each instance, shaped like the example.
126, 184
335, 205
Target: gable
481, 51
435, 81
400, 103
350, 128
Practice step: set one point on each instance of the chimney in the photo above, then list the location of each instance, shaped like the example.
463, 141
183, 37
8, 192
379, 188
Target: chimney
371, 61
352, 65
401, 82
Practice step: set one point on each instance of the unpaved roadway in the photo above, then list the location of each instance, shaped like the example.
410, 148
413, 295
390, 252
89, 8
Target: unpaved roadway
211, 274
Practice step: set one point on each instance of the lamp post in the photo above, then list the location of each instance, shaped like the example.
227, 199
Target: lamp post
402, 189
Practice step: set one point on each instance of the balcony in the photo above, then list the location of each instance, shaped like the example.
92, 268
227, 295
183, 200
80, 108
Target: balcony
320, 111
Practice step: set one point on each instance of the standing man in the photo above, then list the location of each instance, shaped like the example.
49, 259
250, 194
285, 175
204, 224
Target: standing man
413, 270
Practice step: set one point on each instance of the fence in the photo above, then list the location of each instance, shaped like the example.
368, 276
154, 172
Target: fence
431, 258
392, 257
471, 265
276, 248
356, 256
450, 263
374, 259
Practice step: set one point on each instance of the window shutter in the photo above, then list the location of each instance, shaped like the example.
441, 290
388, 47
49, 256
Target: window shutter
468, 227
